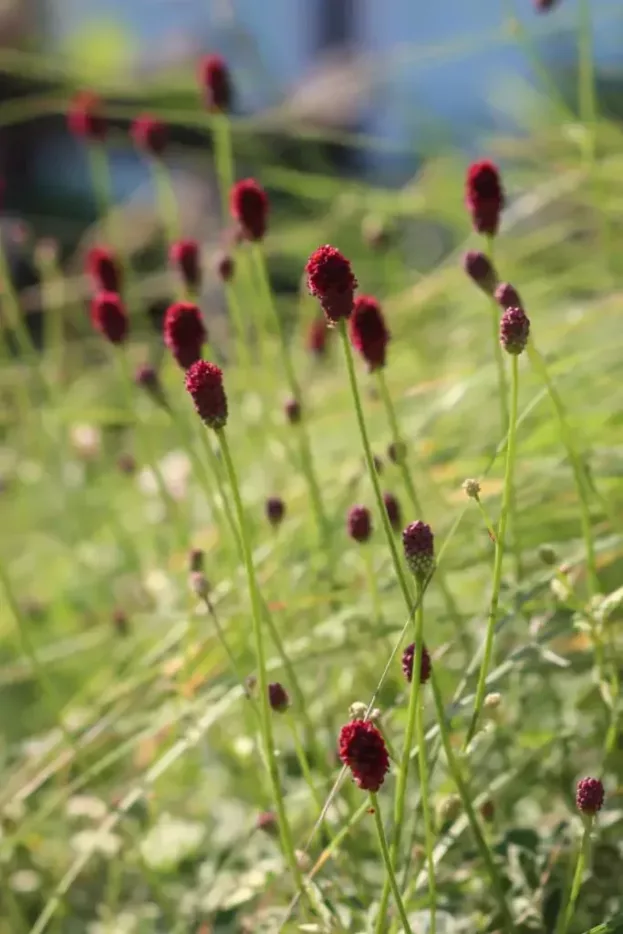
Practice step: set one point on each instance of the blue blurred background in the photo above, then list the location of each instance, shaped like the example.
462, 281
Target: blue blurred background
417, 75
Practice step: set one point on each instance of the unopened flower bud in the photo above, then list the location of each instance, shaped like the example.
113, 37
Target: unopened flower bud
471, 488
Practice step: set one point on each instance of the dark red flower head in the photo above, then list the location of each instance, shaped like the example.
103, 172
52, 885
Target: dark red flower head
542, 6
359, 523
248, 205
589, 796
392, 508
330, 279
479, 269
514, 330
204, 382
215, 82
292, 408
484, 196
184, 332
368, 333
186, 257
507, 296
278, 697
224, 266
316, 341
85, 118
196, 560
275, 510
419, 548
362, 749
150, 135
109, 317
104, 269
407, 663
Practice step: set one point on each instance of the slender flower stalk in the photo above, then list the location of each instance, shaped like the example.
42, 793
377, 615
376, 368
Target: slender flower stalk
265, 713
402, 580
589, 800
429, 830
414, 499
306, 458
389, 869
500, 542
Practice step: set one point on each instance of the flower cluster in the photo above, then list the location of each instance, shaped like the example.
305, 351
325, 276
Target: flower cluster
514, 330
109, 317
407, 663
362, 749
184, 332
484, 196
330, 279
104, 269
248, 205
204, 382
185, 256
359, 523
418, 544
368, 331
215, 82
589, 796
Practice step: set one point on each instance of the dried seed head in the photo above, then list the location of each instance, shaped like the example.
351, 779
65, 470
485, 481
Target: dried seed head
362, 749
267, 822
126, 464
215, 82
195, 559
407, 663
514, 330
368, 332
224, 266
204, 382
449, 809
104, 270
121, 622
589, 796
278, 697
396, 451
199, 584
185, 256
275, 510
359, 523
507, 296
109, 317
418, 544
330, 279
184, 332
394, 513
150, 135
85, 119
471, 488
248, 205
548, 555
479, 269
484, 196
487, 811
292, 409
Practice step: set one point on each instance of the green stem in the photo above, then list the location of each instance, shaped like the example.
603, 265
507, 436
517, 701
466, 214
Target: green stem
429, 832
307, 463
566, 913
167, 200
409, 485
265, 713
402, 580
389, 870
500, 542
463, 792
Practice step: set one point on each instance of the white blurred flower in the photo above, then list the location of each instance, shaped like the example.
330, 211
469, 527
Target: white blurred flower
96, 841
86, 806
25, 881
171, 841
86, 441
174, 469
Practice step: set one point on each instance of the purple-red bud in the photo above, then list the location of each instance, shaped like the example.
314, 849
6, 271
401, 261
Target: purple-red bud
419, 549
215, 82
368, 331
479, 269
359, 523
248, 205
514, 330
204, 382
330, 279
484, 196
109, 317
150, 135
